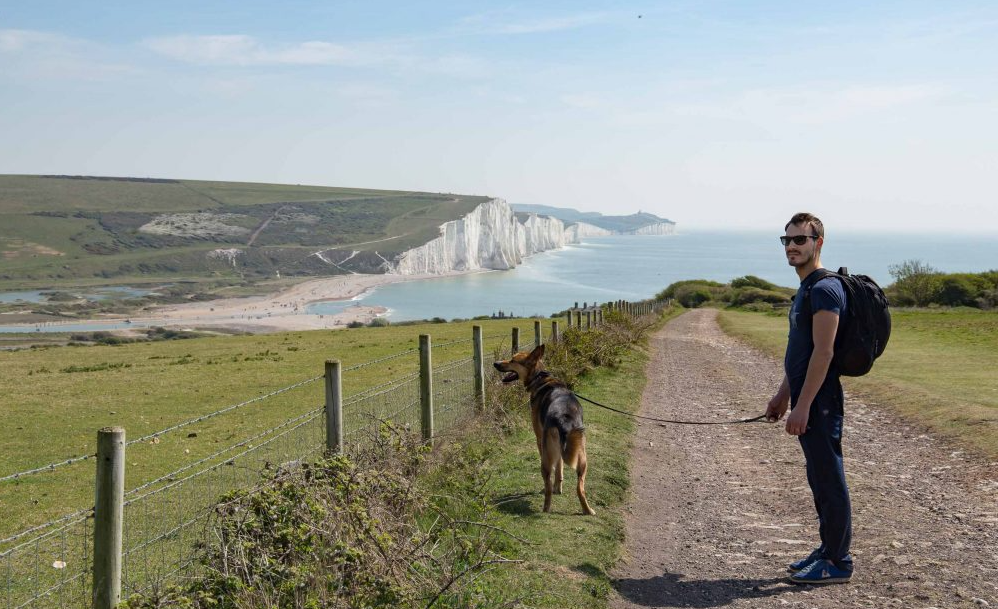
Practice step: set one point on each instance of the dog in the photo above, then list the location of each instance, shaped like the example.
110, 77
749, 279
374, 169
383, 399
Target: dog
557, 418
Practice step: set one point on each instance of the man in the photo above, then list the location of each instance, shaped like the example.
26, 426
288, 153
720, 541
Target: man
812, 389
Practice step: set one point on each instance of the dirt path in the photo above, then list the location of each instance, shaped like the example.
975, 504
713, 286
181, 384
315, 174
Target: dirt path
717, 512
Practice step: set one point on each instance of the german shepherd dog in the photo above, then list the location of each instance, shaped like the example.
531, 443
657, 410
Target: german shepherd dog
557, 418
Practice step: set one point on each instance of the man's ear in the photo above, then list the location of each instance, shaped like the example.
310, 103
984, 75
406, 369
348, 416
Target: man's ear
537, 353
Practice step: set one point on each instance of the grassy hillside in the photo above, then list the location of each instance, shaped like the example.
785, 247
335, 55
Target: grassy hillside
56, 398
60, 229
938, 369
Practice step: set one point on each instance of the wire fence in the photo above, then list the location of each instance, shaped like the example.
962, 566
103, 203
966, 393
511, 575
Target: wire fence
166, 519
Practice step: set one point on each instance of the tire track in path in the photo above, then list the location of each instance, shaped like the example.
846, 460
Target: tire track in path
717, 512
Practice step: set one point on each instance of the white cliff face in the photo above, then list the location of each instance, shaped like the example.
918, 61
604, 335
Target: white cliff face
662, 228
580, 230
490, 237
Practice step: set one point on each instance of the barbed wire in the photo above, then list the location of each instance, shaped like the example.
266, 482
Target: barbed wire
223, 410
155, 434
453, 342
173, 483
378, 361
75, 515
366, 394
221, 452
48, 467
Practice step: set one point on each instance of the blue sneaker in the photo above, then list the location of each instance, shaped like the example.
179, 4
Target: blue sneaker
821, 571
797, 565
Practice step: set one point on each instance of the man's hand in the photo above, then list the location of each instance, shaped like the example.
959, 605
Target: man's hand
797, 421
777, 407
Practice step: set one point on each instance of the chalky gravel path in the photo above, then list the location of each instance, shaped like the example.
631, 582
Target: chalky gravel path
717, 512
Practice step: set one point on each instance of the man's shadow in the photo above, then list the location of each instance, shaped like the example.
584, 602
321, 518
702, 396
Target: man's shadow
673, 590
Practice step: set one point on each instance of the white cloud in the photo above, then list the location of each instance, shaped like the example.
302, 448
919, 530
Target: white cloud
39, 55
241, 50
246, 51
493, 23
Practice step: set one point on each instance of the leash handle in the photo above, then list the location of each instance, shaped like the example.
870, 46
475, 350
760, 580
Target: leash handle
673, 421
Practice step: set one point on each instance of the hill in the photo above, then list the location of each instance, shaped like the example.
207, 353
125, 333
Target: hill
622, 224
118, 230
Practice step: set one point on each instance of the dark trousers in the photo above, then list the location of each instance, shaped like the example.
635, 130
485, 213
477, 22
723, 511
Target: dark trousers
822, 444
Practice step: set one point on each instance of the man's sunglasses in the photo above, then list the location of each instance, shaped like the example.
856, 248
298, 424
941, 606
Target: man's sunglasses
797, 239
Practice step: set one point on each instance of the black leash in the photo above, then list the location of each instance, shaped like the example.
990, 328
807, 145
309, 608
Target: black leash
637, 416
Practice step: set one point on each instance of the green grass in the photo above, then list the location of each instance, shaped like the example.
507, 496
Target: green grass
939, 369
568, 557
51, 414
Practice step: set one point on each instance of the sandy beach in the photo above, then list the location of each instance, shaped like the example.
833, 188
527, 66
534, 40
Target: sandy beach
278, 312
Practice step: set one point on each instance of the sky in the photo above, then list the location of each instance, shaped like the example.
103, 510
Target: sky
728, 115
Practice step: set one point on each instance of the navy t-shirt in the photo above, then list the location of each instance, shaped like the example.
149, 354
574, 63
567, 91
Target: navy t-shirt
827, 294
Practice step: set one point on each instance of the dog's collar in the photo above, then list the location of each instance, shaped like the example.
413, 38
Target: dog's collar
538, 375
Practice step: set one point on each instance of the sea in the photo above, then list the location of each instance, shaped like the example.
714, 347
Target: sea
634, 267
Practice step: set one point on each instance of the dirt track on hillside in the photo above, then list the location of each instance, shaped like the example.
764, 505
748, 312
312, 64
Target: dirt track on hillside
718, 511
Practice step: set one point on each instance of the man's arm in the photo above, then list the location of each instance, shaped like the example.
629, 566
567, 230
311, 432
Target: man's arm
778, 403
824, 325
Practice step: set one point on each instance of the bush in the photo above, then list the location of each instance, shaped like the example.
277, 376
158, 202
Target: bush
355, 324
671, 291
751, 281
915, 282
343, 532
746, 295
692, 296
955, 291
379, 322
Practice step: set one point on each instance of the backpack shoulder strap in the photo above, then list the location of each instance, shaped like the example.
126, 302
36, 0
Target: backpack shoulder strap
819, 275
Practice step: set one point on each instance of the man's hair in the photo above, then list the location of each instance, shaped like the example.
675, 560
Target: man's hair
805, 219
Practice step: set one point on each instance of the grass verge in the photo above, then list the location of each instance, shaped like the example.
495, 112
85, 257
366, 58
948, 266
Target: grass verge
566, 557
938, 369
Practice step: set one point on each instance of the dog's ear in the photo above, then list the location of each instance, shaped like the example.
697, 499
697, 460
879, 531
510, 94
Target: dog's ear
537, 353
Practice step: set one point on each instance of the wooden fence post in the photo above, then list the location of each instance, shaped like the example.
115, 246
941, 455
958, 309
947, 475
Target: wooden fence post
478, 355
569, 326
554, 330
516, 340
578, 320
538, 339
589, 320
334, 406
109, 503
426, 386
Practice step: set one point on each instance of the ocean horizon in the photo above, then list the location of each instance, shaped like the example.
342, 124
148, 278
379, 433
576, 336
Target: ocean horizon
634, 267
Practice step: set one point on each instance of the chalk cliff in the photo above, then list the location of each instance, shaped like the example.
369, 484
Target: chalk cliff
662, 228
490, 237
575, 232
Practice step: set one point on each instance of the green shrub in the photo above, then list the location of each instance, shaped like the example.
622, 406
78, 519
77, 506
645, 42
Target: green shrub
379, 322
692, 296
341, 532
746, 295
671, 291
355, 324
751, 281
956, 290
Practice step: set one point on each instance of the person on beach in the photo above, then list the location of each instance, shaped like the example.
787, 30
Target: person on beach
812, 390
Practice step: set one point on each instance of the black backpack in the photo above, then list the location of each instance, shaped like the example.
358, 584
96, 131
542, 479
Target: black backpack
864, 331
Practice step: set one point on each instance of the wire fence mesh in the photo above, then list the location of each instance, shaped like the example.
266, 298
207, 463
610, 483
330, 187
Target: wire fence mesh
51, 569
167, 518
